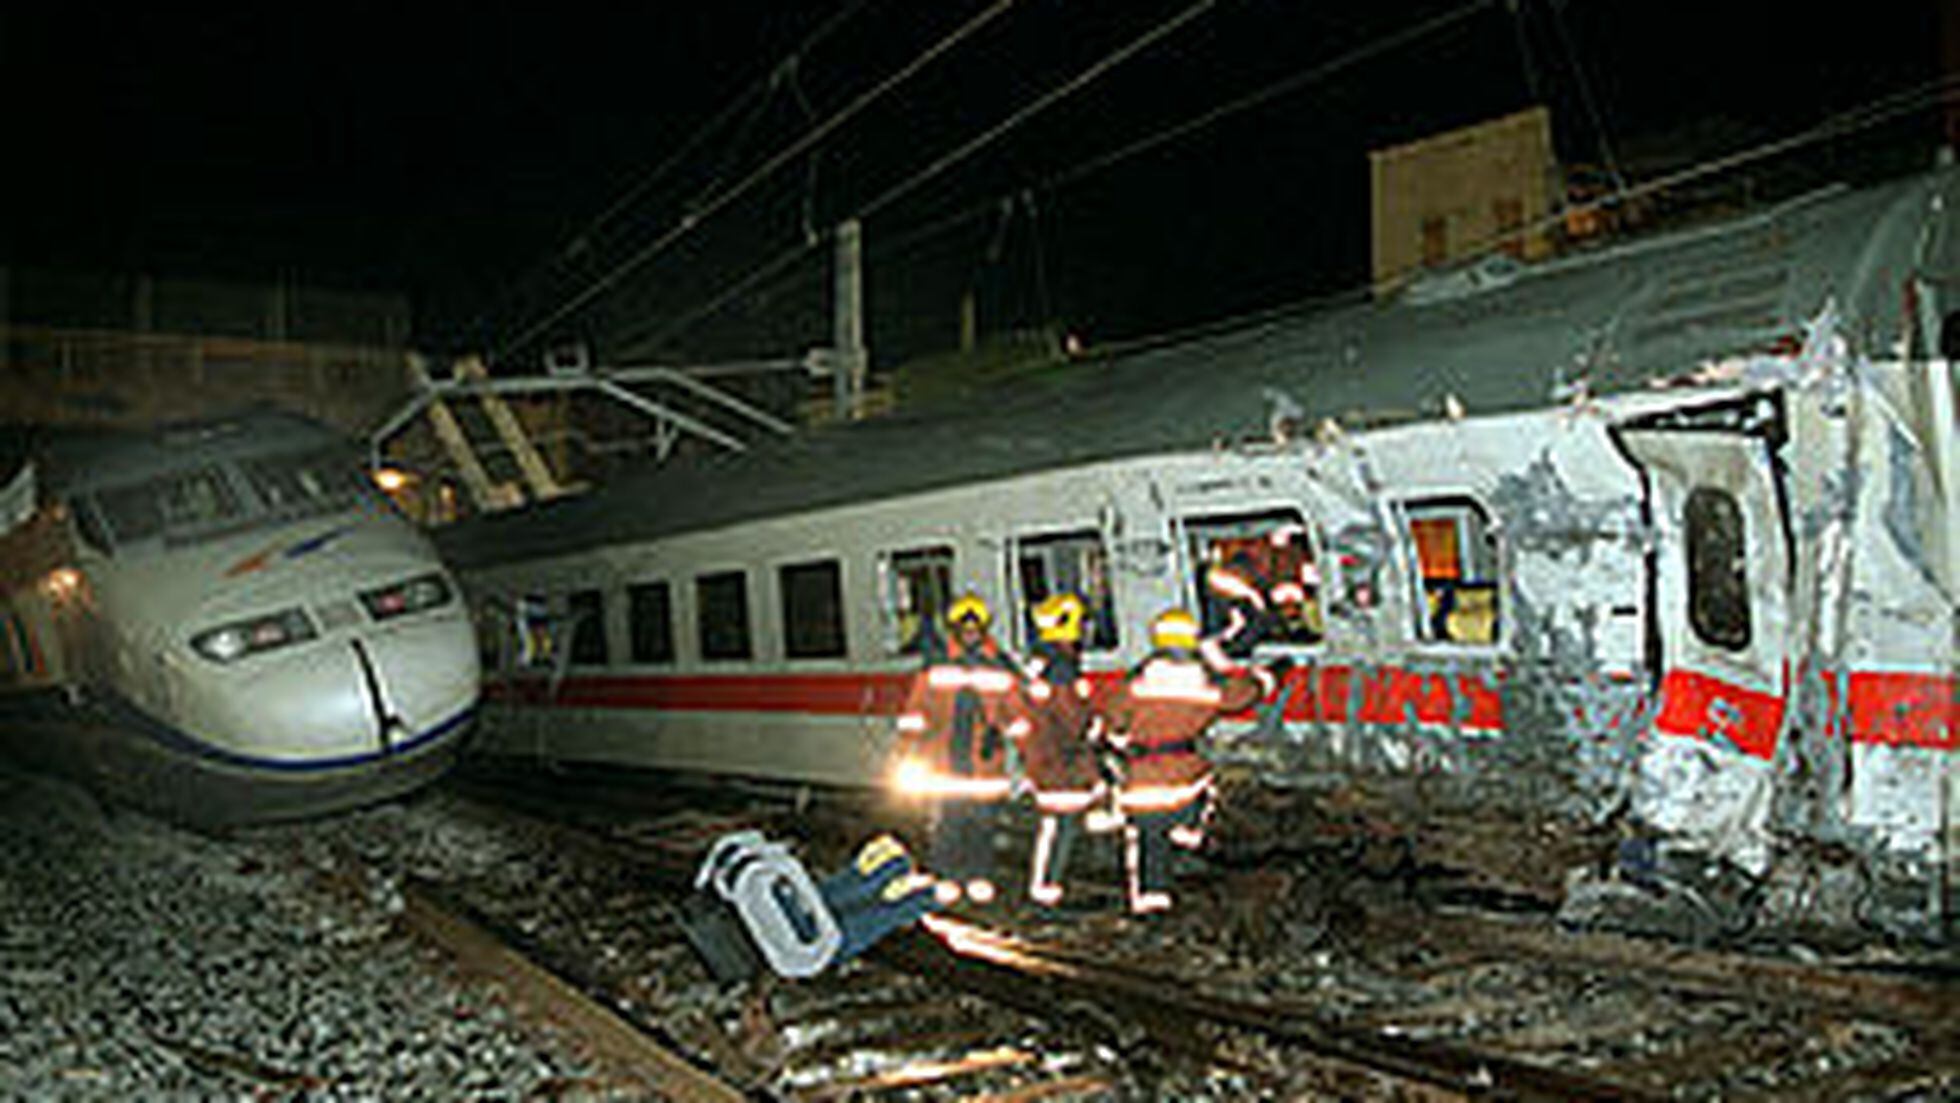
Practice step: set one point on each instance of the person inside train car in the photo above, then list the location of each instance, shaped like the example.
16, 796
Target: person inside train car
1157, 719
952, 749
1238, 607
1059, 763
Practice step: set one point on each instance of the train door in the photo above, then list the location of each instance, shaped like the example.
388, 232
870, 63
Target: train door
1720, 583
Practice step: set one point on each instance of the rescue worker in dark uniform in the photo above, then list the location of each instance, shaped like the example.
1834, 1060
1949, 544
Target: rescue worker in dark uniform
952, 751
1156, 719
1056, 757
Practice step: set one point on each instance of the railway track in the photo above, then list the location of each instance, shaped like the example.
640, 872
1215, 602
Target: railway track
1468, 1006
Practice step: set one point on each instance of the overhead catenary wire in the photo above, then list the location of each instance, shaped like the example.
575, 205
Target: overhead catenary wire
709, 207
1041, 103
758, 88
1531, 82
1365, 52
893, 194
1586, 100
758, 91
1874, 113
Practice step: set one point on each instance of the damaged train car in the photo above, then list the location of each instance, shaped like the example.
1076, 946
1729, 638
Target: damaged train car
1685, 651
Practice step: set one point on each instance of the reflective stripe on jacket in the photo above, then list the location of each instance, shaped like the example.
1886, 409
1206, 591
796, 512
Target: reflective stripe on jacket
1159, 716
950, 732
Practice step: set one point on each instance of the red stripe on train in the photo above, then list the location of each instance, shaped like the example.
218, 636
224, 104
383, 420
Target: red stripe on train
1706, 707
1901, 708
1884, 708
827, 694
1330, 694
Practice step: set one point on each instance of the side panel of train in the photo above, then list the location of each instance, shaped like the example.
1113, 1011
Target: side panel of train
1564, 612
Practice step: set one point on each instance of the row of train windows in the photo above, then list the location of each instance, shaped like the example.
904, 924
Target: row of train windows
281, 487
1270, 553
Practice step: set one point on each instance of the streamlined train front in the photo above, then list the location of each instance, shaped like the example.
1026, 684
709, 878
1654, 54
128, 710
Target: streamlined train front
254, 632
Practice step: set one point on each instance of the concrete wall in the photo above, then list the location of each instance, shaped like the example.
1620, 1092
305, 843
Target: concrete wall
1456, 194
132, 350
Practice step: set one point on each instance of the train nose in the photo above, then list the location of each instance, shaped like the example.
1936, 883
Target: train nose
419, 678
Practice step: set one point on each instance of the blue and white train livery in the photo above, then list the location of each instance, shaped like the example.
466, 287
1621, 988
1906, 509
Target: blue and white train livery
227, 623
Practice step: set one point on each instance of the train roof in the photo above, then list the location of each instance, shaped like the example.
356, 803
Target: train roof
72, 460
1499, 336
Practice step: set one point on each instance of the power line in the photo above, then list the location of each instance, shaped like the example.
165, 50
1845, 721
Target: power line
758, 89
707, 210
1258, 97
964, 150
1585, 94
762, 86
1867, 116
1042, 103
1531, 84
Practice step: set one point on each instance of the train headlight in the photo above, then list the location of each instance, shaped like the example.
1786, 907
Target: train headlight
429, 591
231, 642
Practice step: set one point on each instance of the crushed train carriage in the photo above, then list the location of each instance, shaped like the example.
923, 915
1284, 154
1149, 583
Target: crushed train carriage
1719, 614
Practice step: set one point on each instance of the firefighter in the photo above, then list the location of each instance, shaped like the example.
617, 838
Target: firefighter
1060, 765
1156, 720
952, 752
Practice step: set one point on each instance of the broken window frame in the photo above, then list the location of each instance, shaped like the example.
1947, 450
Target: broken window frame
1189, 532
1491, 565
896, 567
824, 635
1719, 605
1099, 628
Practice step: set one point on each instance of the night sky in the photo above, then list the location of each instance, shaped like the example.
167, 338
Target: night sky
460, 155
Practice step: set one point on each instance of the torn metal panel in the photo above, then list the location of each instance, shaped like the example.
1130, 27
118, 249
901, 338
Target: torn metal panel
1798, 720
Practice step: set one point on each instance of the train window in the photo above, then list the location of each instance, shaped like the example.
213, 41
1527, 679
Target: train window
305, 482
1257, 570
1718, 581
813, 610
587, 608
1074, 562
191, 499
918, 585
536, 631
722, 605
1456, 552
650, 610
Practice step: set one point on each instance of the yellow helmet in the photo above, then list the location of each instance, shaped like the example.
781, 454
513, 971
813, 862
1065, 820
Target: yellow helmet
968, 606
1058, 619
1174, 629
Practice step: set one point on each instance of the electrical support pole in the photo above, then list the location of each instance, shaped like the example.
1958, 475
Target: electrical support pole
847, 341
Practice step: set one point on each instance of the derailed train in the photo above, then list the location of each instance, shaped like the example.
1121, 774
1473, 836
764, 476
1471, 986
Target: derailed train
1719, 615
226, 622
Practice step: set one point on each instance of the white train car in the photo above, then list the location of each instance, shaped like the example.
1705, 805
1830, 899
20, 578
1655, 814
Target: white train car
1726, 608
226, 622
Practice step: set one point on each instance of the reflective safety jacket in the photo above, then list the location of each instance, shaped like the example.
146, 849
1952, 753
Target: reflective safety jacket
1158, 716
1052, 731
951, 732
